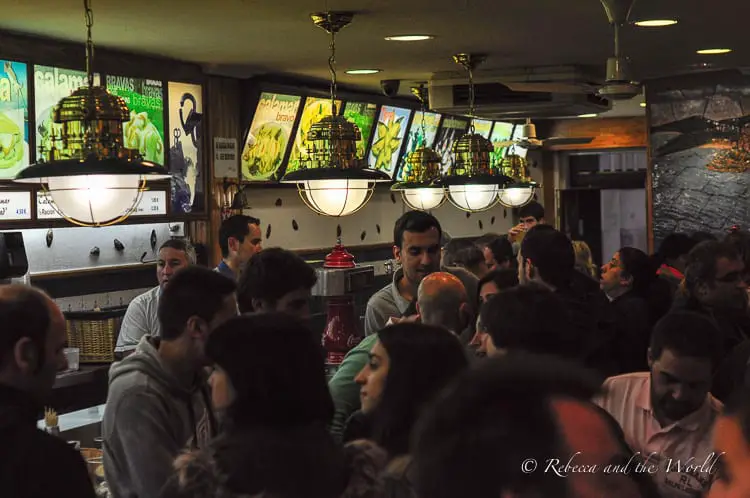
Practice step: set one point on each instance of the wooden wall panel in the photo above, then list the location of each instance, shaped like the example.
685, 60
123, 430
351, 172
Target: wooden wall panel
608, 133
223, 120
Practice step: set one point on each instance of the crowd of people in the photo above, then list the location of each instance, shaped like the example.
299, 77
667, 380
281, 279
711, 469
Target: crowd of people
506, 366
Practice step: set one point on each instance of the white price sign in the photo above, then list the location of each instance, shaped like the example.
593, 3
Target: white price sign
225, 158
44, 208
15, 205
152, 203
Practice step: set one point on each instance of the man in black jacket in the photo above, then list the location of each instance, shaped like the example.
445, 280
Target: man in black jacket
547, 258
32, 337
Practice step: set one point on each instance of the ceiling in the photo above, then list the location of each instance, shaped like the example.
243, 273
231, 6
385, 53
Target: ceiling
249, 37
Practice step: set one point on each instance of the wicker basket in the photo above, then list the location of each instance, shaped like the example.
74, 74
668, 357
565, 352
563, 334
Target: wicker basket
94, 333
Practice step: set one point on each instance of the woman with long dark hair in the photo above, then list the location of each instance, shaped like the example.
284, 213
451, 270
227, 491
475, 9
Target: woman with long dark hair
269, 388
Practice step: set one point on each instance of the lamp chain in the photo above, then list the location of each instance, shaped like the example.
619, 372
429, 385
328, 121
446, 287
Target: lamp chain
332, 65
89, 42
424, 106
472, 97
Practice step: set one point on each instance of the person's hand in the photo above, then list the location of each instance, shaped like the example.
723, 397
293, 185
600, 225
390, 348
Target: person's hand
404, 319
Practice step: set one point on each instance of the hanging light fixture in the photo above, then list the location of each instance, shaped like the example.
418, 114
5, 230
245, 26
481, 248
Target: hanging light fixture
91, 180
520, 191
420, 184
332, 180
472, 183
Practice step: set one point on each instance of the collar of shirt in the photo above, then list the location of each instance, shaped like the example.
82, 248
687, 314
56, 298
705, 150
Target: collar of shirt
697, 420
401, 303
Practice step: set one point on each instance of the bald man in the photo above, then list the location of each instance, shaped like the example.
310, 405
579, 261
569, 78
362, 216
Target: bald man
441, 300
32, 339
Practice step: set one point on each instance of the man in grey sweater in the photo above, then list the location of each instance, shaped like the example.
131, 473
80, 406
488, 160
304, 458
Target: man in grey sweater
158, 402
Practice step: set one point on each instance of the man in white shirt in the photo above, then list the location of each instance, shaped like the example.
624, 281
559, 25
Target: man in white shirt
141, 316
667, 414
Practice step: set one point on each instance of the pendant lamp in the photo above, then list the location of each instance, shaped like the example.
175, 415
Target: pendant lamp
420, 184
521, 189
472, 183
91, 179
331, 179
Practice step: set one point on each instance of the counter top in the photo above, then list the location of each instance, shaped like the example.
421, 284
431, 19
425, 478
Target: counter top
85, 375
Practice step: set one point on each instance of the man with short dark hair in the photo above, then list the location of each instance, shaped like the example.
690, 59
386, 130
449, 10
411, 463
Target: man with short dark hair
158, 402
547, 258
417, 247
31, 353
239, 239
667, 413
276, 280
497, 250
509, 427
141, 316
529, 216
465, 254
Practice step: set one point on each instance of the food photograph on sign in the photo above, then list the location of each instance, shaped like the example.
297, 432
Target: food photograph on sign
483, 127
315, 109
185, 147
502, 132
52, 84
389, 135
14, 119
450, 130
144, 131
269, 135
361, 114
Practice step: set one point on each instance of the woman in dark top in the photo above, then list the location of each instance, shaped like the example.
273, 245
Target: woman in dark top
269, 387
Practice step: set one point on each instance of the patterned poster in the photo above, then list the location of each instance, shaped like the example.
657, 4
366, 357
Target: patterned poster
52, 84
269, 135
483, 127
315, 109
185, 137
450, 130
14, 119
361, 114
390, 132
144, 131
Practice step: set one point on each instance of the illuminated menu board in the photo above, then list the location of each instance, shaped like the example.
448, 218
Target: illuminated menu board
417, 137
315, 109
15, 205
451, 129
185, 104
390, 132
152, 203
144, 131
52, 84
483, 127
14, 119
268, 137
361, 114
502, 132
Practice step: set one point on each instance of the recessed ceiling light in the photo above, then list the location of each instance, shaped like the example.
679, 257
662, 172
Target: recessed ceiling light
713, 51
363, 71
656, 23
643, 104
408, 38
587, 115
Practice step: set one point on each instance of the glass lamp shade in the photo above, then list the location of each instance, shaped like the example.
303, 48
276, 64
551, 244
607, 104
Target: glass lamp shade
425, 198
339, 197
516, 196
473, 198
95, 200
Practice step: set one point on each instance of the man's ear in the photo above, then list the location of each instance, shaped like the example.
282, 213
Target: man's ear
233, 244
397, 253
26, 355
649, 358
195, 326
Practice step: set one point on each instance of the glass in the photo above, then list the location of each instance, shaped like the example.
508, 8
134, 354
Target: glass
73, 356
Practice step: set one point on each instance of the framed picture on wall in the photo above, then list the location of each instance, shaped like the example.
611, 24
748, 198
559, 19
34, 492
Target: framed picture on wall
144, 131
14, 119
185, 146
